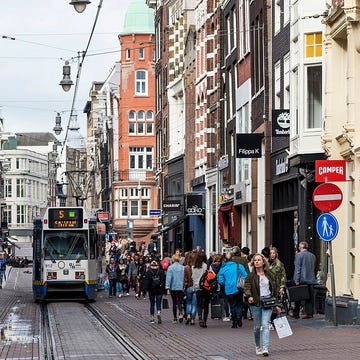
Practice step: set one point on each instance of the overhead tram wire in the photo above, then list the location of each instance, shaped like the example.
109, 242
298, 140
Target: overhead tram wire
79, 73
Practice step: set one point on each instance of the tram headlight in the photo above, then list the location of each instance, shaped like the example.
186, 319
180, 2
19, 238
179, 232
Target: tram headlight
80, 275
52, 275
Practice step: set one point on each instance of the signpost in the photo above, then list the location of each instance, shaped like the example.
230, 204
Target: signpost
327, 227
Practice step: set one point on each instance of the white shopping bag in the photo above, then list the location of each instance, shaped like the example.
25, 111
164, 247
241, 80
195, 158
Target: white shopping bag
282, 327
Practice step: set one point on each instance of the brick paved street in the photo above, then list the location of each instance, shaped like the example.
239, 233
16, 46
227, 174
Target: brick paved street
314, 338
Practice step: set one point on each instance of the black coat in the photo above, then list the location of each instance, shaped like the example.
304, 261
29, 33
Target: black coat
150, 285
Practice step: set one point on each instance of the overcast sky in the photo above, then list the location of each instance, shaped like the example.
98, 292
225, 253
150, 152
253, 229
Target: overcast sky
30, 73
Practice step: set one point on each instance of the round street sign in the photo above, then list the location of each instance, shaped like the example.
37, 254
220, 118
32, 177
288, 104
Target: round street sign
327, 197
327, 226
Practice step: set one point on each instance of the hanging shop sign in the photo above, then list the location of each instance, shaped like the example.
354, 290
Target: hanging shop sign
281, 122
330, 170
248, 145
194, 204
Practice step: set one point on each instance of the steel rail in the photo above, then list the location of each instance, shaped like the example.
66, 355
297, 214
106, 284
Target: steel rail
133, 350
46, 341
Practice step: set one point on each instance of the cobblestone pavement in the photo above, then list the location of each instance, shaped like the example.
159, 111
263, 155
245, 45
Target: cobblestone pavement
313, 338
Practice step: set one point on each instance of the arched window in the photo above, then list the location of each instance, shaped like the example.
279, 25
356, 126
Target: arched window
141, 120
132, 122
149, 122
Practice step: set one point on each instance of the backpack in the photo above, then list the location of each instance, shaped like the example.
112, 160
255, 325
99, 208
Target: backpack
208, 281
156, 282
165, 264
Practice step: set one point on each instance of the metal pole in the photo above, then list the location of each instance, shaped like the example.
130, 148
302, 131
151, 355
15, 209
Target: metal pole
332, 276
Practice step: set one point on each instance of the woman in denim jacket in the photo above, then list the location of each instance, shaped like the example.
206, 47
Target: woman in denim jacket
174, 286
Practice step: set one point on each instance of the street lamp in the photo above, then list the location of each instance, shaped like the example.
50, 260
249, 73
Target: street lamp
79, 5
66, 82
57, 128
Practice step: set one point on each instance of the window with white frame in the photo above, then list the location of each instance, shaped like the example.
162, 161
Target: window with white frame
234, 34
141, 157
140, 123
21, 164
149, 122
7, 214
134, 208
20, 187
20, 214
127, 54
277, 13
124, 208
228, 25
286, 11
314, 96
141, 86
8, 188
277, 84
244, 28
132, 122
141, 53
287, 81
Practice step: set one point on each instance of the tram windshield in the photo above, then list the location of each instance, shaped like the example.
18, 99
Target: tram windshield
61, 245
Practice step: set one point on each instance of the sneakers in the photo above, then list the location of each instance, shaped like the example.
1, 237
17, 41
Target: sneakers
259, 350
127, 294
226, 318
265, 352
120, 295
152, 321
181, 318
271, 327
175, 321
192, 322
158, 316
188, 319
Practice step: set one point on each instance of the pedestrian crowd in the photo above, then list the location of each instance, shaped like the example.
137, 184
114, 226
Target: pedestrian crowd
232, 286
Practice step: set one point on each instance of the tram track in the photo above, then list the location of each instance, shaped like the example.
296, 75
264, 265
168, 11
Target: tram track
133, 351
47, 343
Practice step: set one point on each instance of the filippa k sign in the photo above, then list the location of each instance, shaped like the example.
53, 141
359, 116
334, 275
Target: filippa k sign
330, 170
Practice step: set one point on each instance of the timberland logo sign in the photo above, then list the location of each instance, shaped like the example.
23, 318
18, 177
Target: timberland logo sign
248, 145
330, 170
281, 122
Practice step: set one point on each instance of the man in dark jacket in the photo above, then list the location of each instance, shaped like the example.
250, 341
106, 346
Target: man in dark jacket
304, 273
240, 259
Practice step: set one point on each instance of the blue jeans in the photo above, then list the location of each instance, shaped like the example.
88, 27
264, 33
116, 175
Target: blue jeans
261, 318
158, 299
191, 303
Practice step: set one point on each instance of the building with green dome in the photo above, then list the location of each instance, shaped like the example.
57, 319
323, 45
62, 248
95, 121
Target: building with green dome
139, 19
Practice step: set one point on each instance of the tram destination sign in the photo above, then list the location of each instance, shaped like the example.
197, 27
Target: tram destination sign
65, 218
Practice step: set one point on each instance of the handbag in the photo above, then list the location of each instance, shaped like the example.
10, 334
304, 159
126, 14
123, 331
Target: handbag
269, 302
282, 327
165, 303
240, 283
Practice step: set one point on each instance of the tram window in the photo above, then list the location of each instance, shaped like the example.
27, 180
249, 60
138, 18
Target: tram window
65, 245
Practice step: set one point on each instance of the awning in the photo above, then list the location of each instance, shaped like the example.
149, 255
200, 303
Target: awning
173, 224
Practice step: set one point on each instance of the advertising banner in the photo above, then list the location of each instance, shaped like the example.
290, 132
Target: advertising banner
281, 122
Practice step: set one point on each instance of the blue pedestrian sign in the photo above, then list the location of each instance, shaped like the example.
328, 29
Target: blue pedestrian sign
155, 212
327, 226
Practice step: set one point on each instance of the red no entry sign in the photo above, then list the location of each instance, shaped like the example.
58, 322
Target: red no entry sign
327, 197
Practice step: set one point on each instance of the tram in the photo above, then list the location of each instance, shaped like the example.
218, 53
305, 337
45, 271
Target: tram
66, 255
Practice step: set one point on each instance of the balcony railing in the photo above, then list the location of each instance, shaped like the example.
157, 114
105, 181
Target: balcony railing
136, 175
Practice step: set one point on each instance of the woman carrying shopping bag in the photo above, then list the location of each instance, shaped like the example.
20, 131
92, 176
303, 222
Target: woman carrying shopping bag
260, 289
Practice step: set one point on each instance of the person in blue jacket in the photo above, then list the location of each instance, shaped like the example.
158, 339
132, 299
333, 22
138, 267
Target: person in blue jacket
175, 286
228, 275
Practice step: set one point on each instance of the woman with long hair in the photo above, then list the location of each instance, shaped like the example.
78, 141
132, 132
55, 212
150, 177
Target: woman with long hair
190, 294
259, 285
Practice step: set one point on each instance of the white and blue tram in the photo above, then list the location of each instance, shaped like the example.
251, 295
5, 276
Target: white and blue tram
67, 255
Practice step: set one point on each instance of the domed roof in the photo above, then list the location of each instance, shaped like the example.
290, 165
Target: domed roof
139, 19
